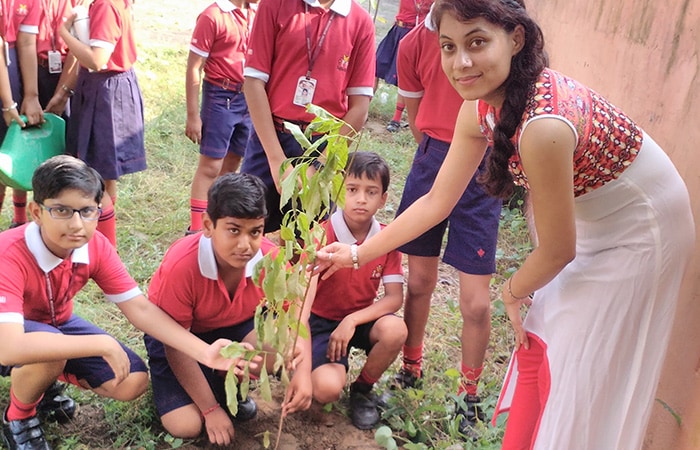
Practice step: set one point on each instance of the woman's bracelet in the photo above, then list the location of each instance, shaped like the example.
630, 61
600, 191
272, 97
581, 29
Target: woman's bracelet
510, 292
355, 258
67, 90
210, 410
10, 108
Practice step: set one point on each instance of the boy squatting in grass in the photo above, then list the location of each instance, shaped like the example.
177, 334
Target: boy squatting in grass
344, 313
205, 283
45, 263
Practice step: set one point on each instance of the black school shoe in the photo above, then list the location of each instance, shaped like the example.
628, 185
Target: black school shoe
55, 405
363, 407
25, 434
470, 417
247, 410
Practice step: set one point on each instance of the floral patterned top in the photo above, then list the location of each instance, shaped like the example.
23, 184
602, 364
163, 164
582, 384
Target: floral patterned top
607, 140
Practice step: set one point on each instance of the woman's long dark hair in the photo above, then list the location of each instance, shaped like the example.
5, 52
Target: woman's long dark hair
526, 66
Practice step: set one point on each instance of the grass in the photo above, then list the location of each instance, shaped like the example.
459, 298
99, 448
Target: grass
153, 211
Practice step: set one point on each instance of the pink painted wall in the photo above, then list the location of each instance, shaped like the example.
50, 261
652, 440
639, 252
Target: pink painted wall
643, 55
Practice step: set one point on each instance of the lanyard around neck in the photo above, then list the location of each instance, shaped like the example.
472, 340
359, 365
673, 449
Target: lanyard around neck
313, 54
50, 293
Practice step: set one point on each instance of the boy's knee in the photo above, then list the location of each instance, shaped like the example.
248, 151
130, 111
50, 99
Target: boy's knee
184, 422
131, 388
392, 331
327, 394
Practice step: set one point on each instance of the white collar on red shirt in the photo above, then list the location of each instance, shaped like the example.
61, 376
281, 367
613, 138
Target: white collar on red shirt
429, 19
48, 261
225, 5
342, 232
341, 7
207, 260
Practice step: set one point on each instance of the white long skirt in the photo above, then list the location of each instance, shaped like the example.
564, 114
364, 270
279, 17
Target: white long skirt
606, 318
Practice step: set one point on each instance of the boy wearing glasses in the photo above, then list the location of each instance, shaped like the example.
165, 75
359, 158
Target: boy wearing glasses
44, 264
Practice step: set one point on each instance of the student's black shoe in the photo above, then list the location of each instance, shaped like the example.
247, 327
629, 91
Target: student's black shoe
25, 434
55, 405
363, 407
393, 126
407, 379
470, 417
247, 410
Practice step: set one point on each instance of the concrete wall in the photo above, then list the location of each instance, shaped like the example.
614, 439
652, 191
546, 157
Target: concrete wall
643, 56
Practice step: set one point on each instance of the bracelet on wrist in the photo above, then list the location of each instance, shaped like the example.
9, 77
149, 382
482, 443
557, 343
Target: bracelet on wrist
10, 108
210, 410
355, 259
510, 292
67, 90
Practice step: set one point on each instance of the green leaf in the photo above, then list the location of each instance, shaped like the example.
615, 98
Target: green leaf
266, 439
264, 383
383, 436
231, 384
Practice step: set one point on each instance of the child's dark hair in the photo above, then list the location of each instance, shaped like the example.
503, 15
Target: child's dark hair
240, 195
525, 68
370, 165
62, 172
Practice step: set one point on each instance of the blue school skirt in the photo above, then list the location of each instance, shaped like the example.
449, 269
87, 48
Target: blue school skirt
106, 129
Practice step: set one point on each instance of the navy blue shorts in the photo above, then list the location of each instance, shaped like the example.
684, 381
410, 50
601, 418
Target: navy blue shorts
386, 54
321, 330
107, 128
473, 223
255, 163
168, 394
94, 369
225, 122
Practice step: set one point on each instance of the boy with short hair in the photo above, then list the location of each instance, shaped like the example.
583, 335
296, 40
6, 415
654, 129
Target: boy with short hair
45, 263
300, 52
344, 313
205, 283
218, 49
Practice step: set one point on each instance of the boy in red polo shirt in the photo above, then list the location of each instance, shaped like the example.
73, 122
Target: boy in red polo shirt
300, 52
44, 264
344, 312
218, 48
432, 105
205, 283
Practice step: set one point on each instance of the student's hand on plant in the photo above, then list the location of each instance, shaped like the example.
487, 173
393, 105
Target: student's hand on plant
299, 394
193, 129
253, 364
332, 258
513, 305
219, 427
339, 340
116, 357
212, 358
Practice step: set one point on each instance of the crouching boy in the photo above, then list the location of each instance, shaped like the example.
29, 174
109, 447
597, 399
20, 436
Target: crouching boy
205, 283
344, 313
44, 264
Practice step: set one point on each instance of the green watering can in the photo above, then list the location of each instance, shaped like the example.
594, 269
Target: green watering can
25, 148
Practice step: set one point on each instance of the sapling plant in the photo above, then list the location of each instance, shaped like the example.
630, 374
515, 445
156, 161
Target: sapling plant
313, 185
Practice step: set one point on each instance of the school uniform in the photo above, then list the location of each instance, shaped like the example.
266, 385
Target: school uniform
411, 12
37, 290
107, 130
16, 17
187, 286
356, 287
473, 223
221, 36
339, 61
48, 41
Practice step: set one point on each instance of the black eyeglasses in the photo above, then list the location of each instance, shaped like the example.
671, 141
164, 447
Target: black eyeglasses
66, 213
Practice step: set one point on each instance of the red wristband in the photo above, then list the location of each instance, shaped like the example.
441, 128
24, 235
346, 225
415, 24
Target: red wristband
210, 410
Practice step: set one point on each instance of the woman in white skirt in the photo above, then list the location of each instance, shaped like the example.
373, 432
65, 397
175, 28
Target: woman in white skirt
614, 227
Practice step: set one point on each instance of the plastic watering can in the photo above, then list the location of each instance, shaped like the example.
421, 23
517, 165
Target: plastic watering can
25, 148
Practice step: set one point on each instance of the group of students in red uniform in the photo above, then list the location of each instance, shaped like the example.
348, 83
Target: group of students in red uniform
257, 66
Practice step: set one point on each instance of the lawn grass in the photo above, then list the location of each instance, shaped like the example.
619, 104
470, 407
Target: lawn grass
153, 211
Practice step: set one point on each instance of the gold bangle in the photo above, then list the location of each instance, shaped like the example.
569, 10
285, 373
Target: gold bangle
510, 292
68, 90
